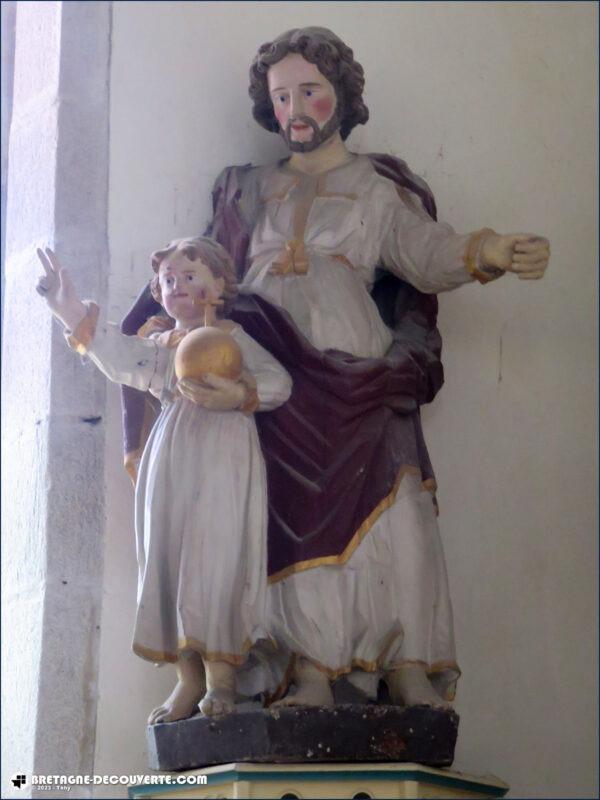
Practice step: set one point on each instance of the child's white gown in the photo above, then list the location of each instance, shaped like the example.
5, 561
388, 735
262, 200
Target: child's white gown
201, 506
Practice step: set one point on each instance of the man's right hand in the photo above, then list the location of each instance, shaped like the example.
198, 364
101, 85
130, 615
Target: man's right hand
58, 290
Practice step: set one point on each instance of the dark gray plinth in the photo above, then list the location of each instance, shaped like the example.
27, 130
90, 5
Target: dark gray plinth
307, 734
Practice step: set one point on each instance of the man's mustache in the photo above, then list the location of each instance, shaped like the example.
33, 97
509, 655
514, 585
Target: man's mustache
301, 119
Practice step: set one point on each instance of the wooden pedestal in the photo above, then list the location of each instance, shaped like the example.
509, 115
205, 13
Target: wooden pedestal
357, 781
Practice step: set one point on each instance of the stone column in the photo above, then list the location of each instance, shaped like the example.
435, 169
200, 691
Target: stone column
7, 51
53, 405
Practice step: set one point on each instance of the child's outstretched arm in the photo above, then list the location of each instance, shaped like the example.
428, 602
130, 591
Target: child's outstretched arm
129, 360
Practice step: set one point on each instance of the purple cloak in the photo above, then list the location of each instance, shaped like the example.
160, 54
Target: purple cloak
337, 449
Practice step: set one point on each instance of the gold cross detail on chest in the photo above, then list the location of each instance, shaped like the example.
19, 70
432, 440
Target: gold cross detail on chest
293, 260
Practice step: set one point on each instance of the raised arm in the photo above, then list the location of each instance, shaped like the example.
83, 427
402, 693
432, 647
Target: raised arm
56, 287
128, 360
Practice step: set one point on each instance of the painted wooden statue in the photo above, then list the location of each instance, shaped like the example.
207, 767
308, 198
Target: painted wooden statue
339, 257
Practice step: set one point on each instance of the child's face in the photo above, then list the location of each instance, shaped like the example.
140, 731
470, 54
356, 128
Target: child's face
186, 286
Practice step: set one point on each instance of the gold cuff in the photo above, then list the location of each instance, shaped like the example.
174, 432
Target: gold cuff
79, 339
472, 258
251, 402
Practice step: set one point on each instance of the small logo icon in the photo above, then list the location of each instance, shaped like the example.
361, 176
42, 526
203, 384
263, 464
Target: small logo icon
19, 780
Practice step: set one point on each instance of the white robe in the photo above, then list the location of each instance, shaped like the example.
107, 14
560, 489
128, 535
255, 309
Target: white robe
200, 507
389, 603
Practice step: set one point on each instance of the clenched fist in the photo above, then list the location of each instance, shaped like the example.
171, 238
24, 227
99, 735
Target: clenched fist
525, 254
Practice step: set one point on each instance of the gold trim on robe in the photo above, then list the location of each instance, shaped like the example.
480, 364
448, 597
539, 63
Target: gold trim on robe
472, 258
292, 260
367, 666
192, 644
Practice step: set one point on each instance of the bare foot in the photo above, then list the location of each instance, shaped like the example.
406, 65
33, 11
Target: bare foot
217, 701
220, 686
410, 686
180, 704
312, 687
183, 700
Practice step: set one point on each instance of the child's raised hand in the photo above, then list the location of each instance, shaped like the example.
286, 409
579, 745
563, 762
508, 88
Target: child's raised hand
58, 290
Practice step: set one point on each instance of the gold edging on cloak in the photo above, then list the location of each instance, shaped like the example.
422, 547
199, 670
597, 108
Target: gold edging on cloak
383, 505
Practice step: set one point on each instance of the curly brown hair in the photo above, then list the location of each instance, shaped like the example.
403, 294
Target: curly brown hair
210, 253
333, 59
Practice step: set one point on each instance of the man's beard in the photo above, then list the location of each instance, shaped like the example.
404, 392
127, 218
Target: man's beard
319, 136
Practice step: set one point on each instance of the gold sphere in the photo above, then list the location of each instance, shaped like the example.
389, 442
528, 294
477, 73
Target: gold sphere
208, 350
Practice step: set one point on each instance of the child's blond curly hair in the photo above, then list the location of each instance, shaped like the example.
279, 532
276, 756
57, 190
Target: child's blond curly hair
211, 254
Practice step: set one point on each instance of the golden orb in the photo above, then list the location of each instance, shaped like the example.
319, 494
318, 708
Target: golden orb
208, 350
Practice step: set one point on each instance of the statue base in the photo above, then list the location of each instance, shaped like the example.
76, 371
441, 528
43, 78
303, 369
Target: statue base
307, 734
263, 781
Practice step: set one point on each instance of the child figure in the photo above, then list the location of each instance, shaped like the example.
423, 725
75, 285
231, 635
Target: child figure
200, 506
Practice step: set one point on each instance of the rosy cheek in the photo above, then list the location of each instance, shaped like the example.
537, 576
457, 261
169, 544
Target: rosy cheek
281, 115
323, 108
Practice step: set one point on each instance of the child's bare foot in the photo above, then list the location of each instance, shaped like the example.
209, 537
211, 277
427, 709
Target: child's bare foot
217, 701
312, 687
410, 686
220, 685
180, 704
183, 700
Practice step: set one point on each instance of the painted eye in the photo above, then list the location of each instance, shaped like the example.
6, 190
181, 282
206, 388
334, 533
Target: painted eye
190, 278
282, 98
308, 93
169, 281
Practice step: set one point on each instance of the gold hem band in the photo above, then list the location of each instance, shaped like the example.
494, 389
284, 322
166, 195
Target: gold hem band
366, 666
433, 669
358, 663
188, 643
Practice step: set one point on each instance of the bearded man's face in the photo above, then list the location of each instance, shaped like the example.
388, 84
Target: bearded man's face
304, 103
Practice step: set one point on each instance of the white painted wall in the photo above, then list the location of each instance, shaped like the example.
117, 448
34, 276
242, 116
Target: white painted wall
495, 104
